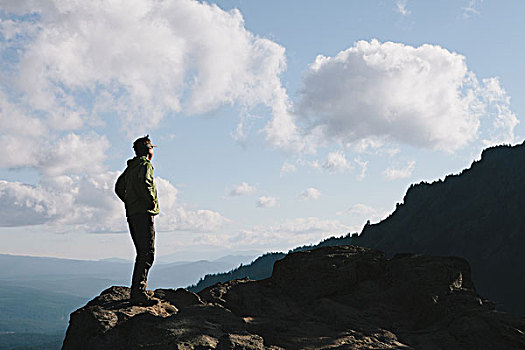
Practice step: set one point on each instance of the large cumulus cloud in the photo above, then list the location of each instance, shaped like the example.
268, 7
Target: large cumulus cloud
88, 203
140, 57
389, 92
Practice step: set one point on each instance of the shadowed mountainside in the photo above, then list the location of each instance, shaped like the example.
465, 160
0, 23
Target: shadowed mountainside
342, 297
259, 269
478, 214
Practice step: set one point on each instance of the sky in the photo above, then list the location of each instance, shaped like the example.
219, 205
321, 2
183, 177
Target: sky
278, 123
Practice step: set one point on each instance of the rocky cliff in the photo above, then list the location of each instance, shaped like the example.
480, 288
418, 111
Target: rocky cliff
342, 297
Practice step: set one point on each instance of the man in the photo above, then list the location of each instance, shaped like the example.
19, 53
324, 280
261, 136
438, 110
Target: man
136, 188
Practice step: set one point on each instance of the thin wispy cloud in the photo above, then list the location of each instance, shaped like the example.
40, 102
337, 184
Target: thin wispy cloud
399, 173
267, 202
364, 212
363, 165
288, 232
472, 8
243, 189
311, 194
287, 168
336, 162
401, 7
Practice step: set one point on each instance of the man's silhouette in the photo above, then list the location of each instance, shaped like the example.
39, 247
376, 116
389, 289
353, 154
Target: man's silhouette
136, 188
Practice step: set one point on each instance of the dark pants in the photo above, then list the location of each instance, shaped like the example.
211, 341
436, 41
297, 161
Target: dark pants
143, 235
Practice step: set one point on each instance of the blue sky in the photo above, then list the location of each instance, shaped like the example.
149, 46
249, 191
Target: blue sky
279, 123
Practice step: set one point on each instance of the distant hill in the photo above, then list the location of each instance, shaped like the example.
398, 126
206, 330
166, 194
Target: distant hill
37, 294
30, 317
87, 278
478, 214
31, 310
261, 267
182, 274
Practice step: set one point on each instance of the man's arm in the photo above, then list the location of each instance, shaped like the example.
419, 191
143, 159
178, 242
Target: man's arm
149, 191
120, 186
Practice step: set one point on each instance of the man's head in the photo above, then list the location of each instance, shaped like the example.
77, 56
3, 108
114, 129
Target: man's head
143, 147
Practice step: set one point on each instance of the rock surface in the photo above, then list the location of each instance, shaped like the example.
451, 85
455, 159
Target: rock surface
342, 297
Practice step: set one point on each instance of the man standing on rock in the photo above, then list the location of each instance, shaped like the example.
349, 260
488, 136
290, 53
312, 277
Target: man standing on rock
136, 188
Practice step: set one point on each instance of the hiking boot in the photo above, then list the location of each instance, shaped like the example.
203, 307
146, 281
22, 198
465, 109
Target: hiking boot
143, 298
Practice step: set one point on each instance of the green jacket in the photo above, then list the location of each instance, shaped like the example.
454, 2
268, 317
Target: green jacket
136, 187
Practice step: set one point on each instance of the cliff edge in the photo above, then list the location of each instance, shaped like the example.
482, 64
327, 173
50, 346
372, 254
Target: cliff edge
342, 297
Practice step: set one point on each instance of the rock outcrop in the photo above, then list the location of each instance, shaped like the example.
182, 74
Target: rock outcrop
342, 297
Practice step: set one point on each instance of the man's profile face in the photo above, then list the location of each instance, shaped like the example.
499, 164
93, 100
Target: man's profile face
149, 155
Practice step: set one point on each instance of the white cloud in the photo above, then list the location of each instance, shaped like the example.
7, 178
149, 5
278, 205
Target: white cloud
472, 8
316, 164
243, 128
21, 200
74, 154
403, 173
373, 145
267, 202
282, 130
311, 194
336, 162
21, 135
363, 165
74, 188
308, 225
89, 204
30, 142
394, 93
364, 212
154, 58
505, 120
361, 209
139, 57
242, 189
176, 216
287, 168
401, 6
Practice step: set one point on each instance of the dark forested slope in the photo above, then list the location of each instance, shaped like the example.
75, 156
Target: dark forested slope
478, 214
